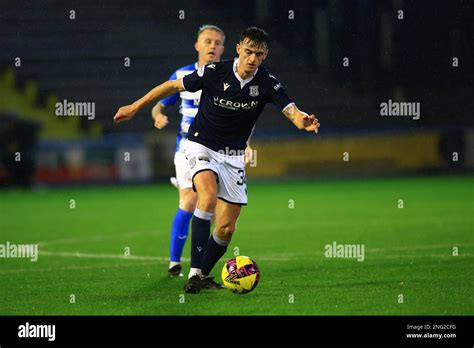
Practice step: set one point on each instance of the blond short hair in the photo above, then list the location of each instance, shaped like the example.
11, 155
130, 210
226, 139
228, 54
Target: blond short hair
209, 27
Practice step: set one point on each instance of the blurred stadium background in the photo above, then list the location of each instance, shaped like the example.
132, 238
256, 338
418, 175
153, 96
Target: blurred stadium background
423, 251
47, 57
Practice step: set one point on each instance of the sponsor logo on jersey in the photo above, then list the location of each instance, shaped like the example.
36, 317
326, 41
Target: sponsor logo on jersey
277, 87
226, 85
212, 66
253, 91
234, 105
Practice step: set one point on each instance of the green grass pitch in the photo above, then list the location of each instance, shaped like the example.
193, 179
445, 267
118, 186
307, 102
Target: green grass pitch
408, 251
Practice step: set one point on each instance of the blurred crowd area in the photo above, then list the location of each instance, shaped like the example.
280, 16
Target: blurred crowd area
337, 59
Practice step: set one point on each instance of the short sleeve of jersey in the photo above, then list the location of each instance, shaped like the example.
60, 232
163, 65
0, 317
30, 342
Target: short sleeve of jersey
279, 97
198, 79
172, 99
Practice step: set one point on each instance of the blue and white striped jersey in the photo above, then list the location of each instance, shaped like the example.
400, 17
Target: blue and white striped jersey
189, 105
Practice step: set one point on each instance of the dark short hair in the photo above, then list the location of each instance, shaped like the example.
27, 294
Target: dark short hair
255, 36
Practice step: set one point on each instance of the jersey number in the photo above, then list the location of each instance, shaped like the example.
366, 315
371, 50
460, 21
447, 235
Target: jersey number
242, 179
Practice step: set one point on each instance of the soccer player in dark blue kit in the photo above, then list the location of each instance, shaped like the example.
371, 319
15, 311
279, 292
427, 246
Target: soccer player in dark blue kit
234, 94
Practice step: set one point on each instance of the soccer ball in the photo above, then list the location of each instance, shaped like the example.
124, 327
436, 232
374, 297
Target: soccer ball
240, 274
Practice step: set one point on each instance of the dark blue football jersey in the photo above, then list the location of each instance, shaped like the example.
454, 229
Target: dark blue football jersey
228, 108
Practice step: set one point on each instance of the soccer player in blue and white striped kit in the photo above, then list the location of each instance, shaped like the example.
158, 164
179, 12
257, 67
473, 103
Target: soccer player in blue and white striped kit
210, 46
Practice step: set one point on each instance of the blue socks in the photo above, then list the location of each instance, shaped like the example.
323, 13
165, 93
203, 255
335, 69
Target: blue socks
179, 234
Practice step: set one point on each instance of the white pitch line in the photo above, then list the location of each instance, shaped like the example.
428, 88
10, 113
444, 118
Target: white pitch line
139, 258
281, 257
421, 247
418, 256
105, 256
75, 240
148, 259
73, 268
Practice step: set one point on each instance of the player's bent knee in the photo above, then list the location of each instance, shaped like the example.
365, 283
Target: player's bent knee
225, 232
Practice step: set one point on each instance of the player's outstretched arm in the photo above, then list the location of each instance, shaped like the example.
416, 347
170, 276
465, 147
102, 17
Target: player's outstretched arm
301, 119
167, 88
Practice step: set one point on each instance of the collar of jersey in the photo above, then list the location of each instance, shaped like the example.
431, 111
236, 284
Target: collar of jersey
242, 81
